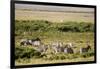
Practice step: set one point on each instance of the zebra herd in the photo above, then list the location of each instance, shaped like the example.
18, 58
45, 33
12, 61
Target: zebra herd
57, 47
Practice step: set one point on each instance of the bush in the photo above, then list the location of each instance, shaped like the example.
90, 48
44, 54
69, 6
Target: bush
36, 25
25, 52
87, 54
59, 56
76, 27
44, 26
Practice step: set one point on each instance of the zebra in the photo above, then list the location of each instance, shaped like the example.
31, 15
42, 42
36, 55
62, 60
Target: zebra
24, 42
59, 49
57, 46
36, 42
33, 42
68, 49
42, 48
86, 49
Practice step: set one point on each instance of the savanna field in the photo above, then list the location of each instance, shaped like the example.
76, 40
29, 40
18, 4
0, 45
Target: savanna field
77, 28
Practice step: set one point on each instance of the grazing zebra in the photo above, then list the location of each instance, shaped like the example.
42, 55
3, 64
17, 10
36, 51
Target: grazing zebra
24, 42
86, 49
68, 49
34, 42
61, 49
57, 47
42, 48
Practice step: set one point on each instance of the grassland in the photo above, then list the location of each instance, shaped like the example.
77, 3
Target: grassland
41, 61
77, 28
54, 16
38, 28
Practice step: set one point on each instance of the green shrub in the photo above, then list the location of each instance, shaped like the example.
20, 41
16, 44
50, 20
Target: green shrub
76, 27
25, 52
43, 26
36, 25
87, 54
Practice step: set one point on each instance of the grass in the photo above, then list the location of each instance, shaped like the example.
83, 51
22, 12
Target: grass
52, 58
47, 26
53, 16
41, 61
50, 32
65, 37
79, 40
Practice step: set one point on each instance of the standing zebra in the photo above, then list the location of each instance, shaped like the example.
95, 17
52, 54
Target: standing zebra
86, 49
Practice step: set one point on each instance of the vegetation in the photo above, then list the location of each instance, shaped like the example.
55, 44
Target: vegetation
28, 55
43, 26
78, 32
26, 52
66, 27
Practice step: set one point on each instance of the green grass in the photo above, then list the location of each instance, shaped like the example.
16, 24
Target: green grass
41, 61
65, 37
45, 26
26, 52
50, 58
50, 32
